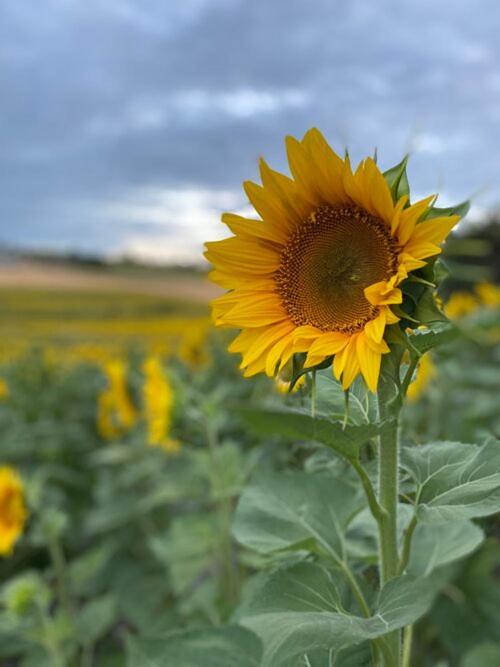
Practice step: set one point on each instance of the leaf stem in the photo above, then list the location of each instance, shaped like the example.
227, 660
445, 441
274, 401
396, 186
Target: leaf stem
414, 358
371, 497
405, 555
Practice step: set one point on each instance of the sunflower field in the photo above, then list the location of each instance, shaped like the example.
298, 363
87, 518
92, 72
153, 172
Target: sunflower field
165, 503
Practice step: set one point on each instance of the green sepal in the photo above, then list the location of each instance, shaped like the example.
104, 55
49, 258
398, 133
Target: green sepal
459, 209
397, 180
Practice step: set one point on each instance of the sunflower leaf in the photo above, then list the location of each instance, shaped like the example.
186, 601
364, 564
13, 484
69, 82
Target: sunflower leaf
297, 425
454, 480
427, 310
215, 647
459, 209
435, 545
397, 179
437, 333
296, 610
294, 511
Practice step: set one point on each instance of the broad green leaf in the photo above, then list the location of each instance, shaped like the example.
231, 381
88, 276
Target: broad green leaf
434, 545
331, 400
219, 647
454, 480
298, 425
397, 179
427, 311
297, 610
296, 510
437, 333
96, 618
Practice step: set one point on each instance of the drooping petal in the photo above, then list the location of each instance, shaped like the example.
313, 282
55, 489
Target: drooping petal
383, 293
369, 362
282, 349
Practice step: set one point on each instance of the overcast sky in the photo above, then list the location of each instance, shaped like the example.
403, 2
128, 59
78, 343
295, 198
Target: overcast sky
127, 126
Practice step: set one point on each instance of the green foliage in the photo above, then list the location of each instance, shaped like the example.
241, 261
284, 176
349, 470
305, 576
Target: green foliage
296, 510
345, 439
300, 609
256, 543
221, 647
453, 480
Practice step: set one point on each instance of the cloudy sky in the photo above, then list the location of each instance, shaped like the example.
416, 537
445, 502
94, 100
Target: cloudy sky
127, 126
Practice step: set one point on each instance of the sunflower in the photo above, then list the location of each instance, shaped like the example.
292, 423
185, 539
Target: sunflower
13, 511
319, 272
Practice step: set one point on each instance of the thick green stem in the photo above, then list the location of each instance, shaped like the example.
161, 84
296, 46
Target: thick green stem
389, 408
408, 637
388, 501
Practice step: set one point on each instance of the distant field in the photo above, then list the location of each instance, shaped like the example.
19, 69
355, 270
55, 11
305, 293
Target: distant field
86, 314
167, 283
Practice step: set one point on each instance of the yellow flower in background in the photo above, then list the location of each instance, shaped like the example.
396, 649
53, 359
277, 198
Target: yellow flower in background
192, 349
13, 511
425, 372
116, 412
460, 304
488, 294
320, 271
158, 399
4, 389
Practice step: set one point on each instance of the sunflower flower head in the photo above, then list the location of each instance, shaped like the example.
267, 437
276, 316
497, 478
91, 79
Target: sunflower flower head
13, 511
322, 272
158, 400
116, 413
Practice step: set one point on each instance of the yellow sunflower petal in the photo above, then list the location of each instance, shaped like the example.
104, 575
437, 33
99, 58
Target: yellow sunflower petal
398, 209
329, 343
410, 216
275, 355
329, 165
264, 341
430, 233
351, 362
255, 310
378, 192
369, 362
383, 293
291, 196
247, 228
245, 255
376, 327
267, 206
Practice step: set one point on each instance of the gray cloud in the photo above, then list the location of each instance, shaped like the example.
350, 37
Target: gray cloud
108, 103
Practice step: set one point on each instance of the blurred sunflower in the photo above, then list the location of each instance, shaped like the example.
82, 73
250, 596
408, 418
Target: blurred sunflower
425, 373
4, 389
13, 511
158, 399
320, 271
